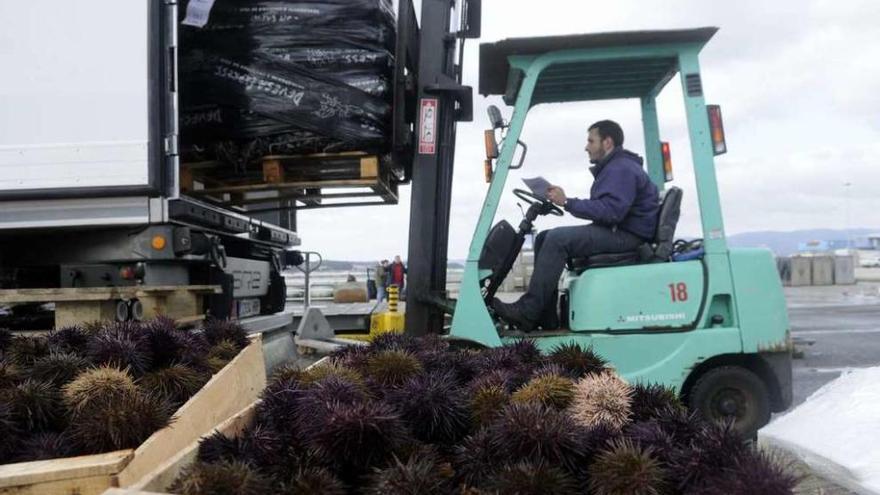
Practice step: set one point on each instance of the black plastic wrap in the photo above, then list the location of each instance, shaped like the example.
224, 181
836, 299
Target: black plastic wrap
287, 77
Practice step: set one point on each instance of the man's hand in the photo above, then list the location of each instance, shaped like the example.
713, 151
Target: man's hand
556, 195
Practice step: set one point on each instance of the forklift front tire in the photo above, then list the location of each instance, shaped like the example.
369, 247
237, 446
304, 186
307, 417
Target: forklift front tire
732, 392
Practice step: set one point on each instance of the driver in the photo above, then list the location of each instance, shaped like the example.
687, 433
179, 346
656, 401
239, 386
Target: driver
623, 207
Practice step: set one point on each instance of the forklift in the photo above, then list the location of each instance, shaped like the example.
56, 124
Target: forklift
713, 325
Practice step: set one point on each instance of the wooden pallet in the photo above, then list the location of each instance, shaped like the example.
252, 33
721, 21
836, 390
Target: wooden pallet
86, 304
307, 179
234, 387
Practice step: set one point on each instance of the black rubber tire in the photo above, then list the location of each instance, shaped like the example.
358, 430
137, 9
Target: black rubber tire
729, 392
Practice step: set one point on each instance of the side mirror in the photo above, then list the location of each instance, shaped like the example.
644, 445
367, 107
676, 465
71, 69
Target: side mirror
495, 117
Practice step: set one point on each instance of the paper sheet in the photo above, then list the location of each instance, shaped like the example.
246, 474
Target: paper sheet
538, 185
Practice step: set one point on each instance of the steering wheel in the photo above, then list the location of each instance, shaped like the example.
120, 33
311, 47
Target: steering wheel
531, 198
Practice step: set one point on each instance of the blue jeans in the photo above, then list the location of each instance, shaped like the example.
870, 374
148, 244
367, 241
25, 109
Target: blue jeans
381, 293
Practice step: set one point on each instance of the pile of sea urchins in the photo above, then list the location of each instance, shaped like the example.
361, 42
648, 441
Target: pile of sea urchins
412, 416
104, 386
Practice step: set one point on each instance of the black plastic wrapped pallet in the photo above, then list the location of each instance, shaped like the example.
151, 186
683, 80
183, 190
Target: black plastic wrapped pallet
287, 77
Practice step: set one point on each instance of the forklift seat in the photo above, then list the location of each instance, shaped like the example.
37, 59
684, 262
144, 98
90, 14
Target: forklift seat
658, 250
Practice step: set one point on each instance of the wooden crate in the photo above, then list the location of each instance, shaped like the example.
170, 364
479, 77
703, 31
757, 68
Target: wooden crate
160, 478
234, 387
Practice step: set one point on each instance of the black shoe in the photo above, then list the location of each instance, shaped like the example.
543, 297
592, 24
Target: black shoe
513, 315
549, 320
550, 317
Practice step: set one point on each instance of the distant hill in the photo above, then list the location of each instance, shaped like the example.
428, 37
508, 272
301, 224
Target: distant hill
786, 243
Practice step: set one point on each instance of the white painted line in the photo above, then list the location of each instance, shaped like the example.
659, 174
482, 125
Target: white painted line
831, 369
839, 331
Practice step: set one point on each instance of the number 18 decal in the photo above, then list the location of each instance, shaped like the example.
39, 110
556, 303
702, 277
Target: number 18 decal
679, 292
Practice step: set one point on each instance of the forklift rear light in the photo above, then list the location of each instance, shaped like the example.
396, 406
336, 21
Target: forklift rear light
716, 126
667, 161
127, 273
491, 145
487, 170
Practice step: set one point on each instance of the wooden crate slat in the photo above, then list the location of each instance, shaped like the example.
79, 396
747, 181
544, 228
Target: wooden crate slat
232, 389
29, 473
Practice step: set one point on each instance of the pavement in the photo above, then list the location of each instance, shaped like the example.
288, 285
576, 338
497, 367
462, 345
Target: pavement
836, 328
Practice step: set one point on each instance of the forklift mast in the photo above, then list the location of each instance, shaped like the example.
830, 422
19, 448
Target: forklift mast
442, 102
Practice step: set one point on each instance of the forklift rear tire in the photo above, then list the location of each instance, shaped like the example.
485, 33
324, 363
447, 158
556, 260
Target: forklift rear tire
732, 392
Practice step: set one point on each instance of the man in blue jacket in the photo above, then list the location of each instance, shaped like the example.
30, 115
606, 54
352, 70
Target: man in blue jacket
623, 206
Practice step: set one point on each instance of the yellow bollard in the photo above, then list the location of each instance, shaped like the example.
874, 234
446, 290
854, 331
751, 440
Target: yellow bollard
391, 321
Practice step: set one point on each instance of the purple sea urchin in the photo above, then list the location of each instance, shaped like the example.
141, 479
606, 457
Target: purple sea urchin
279, 404
715, 447
649, 400
576, 360
71, 339
435, 409
755, 472
170, 345
217, 447
313, 481
57, 368
45, 445
474, 458
217, 331
23, 351
601, 398
10, 431
681, 424
5, 339
627, 469
392, 342
104, 426
351, 356
356, 438
549, 369
122, 345
391, 368
527, 352
549, 390
9, 374
262, 447
502, 358
225, 478
532, 478
332, 388
36, 405
175, 384
418, 475
651, 434
515, 436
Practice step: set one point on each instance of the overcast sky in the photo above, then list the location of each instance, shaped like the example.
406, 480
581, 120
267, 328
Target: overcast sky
797, 81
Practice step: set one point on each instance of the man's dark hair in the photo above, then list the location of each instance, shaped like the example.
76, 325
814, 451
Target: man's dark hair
609, 129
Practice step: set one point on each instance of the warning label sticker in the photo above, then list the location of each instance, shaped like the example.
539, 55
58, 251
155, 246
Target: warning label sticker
428, 126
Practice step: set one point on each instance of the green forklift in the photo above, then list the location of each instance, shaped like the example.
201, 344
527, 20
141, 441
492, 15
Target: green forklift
711, 324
